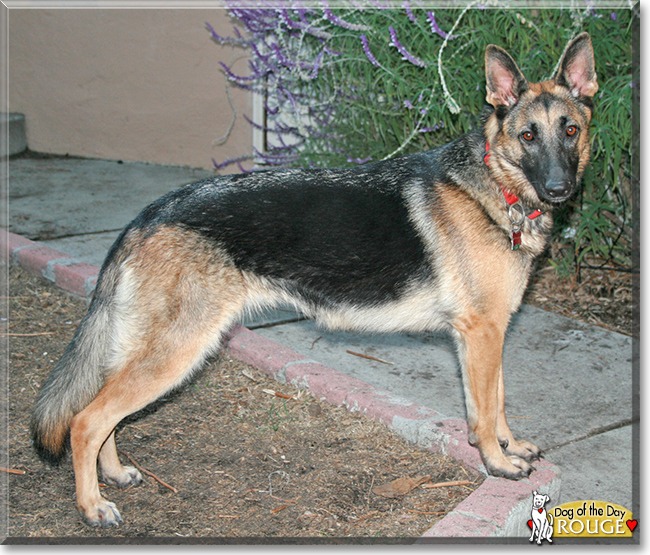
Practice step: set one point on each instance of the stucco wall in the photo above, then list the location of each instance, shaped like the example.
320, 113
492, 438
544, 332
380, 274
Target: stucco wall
142, 85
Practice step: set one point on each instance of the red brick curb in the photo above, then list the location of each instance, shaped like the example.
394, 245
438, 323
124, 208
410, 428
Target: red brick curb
498, 508
66, 272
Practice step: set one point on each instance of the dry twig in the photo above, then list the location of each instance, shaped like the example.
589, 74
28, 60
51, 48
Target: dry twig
368, 357
148, 472
447, 484
286, 500
248, 375
367, 516
27, 334
11, 470
278, 394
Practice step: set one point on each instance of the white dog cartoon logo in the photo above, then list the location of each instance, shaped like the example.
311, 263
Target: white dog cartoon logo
539, 520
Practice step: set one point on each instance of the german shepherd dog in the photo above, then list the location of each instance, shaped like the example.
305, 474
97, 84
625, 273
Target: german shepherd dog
443, 239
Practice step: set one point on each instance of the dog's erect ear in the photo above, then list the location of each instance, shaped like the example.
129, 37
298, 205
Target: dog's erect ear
505, 82
577, 70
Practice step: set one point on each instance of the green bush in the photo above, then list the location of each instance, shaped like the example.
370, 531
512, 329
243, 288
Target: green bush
346, 86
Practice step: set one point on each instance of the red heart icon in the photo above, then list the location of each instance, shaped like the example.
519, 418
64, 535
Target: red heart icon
530, 524
631, 524
540, 511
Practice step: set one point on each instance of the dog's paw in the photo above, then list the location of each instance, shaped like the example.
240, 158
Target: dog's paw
129, 476
523, 449
104, 514
510, 467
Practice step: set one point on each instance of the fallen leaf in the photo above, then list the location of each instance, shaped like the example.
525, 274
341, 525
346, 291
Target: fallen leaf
400, 487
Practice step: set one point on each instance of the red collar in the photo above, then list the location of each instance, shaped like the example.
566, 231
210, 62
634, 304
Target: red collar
511, 198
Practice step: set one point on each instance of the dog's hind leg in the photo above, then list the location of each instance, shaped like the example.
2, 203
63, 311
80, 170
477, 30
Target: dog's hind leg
113, 472
142, 380
176, 299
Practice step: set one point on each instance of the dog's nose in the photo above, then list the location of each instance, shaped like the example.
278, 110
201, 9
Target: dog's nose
557, 189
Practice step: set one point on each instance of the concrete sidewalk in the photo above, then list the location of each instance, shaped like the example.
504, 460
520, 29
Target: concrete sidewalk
568, 385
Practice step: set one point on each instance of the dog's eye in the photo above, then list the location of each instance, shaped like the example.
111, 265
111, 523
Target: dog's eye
571, 130
528, 136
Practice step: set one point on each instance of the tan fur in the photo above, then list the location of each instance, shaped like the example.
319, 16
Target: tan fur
182, 296
488, 281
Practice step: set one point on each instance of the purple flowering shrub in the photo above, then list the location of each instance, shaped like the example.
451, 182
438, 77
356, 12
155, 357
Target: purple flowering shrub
327, 97
376, 79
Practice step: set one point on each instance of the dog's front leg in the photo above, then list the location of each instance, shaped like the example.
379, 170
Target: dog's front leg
480, 348
518, 448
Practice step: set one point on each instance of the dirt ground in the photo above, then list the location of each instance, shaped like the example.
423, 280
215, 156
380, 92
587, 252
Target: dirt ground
227, 458
600, 297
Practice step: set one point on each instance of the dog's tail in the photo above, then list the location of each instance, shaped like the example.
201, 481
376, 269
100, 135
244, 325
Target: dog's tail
80, 373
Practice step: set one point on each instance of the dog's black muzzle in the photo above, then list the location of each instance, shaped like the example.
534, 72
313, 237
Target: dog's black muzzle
558, 191
557, 182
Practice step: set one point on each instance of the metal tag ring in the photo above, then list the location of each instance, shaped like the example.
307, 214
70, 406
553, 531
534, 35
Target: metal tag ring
516, 213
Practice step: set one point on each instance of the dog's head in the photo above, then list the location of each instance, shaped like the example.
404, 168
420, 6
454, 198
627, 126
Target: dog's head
539, 500
538, 132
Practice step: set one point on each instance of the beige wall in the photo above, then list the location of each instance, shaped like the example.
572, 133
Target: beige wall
141, 85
